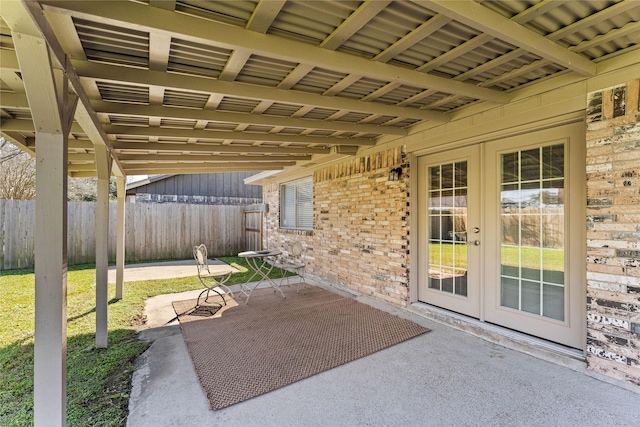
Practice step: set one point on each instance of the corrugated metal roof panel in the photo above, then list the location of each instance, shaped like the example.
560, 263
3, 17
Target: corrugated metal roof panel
231, 12
353, 117
196, 58
311, 21
319, 113
174, 98
318, 80
281, 110
265, 71
221, 126
237, 104
362, 88
122, 120
178, 123
112, 44
116, 92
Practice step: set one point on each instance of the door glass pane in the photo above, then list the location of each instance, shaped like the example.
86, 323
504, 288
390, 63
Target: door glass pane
532, 240
448, 228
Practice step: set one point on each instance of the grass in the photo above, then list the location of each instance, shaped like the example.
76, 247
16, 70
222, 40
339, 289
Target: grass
98, 380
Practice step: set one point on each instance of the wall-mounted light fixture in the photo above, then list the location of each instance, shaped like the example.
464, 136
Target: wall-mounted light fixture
394, 173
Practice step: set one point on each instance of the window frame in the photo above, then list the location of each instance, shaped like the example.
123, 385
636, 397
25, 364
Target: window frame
298, 187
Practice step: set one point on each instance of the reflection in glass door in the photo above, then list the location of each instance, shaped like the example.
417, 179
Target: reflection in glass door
532, 231
447, 227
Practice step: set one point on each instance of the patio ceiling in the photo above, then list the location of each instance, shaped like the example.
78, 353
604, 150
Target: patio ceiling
203, 86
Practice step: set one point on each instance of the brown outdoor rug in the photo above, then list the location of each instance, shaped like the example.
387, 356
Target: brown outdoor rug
244, 350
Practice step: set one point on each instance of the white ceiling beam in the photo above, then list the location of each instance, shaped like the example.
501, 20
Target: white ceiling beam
234, 65
264, 14
85, 115
536, 65
164, 4
172, 166
21, 125
12, 79
210, 148
9, 60
132, 158
354, 22
484, 19
630, 29
67, 35
185, 168
236, 136
119, 74
15, 101
159, 49
414, 37
144, 18
20, 141
242, 118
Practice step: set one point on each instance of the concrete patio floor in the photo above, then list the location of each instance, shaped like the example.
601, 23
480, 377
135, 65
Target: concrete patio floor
447, 377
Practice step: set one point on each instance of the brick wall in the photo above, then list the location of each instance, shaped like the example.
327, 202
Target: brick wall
360, 236
613, 232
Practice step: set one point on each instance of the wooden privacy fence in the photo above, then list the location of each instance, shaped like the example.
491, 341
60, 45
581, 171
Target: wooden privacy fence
153, 231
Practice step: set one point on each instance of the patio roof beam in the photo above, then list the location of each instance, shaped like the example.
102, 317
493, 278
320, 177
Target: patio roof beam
484, 19
241, 118
15, 101
236, 136
121, 75
151, 20
21, 125
191, 169
85, 115
25, 144
133, 158
186, 164
211, 148
363, 14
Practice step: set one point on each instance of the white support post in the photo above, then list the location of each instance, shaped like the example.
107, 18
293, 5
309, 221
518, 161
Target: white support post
102, 245
50, 345
120, 244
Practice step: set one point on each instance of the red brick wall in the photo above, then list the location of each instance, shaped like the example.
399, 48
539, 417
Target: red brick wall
360, 236
613, 232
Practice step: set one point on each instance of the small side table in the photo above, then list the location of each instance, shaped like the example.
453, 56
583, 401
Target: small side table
257, 260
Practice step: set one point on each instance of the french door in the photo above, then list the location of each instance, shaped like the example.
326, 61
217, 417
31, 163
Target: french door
450, 233
506, 245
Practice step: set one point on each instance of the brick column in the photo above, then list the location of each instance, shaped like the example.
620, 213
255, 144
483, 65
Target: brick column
613, 232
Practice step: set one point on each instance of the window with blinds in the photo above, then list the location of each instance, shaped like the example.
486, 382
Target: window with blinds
296, 204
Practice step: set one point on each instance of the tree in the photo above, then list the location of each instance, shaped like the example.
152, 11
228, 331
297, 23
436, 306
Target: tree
18, 177
17, 173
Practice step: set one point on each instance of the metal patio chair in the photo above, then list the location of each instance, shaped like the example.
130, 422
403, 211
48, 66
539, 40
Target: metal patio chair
211, 281
293, 262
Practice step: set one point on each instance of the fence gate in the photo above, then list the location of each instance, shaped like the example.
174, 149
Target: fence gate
253, 215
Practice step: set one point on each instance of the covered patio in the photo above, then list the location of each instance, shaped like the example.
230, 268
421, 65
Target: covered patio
449, 376
341, 97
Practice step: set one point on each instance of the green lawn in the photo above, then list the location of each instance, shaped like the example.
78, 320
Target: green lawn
98, 380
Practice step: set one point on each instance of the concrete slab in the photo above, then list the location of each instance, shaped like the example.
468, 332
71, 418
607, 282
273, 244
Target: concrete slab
447, 377
163, 270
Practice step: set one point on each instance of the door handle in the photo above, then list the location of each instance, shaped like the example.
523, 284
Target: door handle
474, 242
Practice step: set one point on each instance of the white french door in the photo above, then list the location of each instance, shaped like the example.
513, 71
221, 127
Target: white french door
449, 238
506, 245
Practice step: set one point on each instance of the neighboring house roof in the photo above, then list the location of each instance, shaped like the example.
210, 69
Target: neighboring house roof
146, 181
195, 87
208, 185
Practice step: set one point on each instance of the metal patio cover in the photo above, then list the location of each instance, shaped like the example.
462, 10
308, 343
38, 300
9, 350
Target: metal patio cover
204, 86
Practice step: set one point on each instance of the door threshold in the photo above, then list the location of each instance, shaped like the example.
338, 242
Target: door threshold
552, 352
